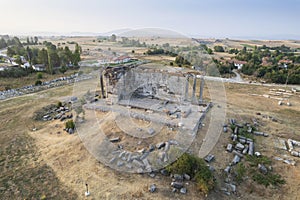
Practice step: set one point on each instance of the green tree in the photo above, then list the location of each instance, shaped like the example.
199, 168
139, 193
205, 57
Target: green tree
113, 38
29, 54
219, 48
63, 69
209, 51
10, 52
36, 39
54, 58
3, 43
76, 57
42, 57
18, 59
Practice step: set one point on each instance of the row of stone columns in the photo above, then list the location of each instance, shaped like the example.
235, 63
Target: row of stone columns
193, 99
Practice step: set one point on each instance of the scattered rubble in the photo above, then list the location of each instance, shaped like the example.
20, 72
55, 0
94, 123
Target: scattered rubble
117, 139
293, 144
209, 158
183, 190
59, 112
177, 185
152, 188
262, 169
242, 144
229, 148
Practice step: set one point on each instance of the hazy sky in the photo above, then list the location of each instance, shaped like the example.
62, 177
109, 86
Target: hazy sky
210, 18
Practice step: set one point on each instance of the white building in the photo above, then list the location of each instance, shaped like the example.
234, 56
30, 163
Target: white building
39, 67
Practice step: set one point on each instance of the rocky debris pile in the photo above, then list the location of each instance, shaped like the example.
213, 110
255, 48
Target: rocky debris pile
242, 144
229, 188
242, 137
54, 112
286, 161
265, 117
45, 85
179, 181
142, 160
60, 112
292, 144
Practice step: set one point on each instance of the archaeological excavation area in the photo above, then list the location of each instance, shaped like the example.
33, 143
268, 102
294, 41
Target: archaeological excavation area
147, 117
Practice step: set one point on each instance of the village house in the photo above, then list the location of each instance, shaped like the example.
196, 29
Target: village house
39, 67
25, 65
284, 63
266, 61
238, 63
4, 66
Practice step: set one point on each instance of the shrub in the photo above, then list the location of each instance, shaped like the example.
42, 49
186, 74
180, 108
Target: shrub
196, 168
39, 75
70, 124
59, 104
254, 160
240, 171
268, 179
63, 69
219, 48
38, 82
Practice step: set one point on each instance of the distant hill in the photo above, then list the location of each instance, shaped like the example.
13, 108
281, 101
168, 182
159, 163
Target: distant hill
152, 32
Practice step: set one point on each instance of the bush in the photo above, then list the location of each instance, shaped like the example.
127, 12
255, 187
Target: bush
70, 124
240, 171
254, 160
15, 72
196, 168
218, 48
59, 104
38, 82
63, 69
268, 179
39, 75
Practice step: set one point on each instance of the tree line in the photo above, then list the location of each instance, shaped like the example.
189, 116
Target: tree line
271, 70
50, 56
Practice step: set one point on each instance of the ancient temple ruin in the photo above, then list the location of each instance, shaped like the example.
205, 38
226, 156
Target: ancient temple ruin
140, 82
168, 101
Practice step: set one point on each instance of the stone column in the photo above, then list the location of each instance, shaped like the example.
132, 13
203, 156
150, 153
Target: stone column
186, 91
106, 87
201, 90
102, 85
194, 89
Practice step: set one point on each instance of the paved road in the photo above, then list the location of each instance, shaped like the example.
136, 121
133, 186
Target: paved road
238, 77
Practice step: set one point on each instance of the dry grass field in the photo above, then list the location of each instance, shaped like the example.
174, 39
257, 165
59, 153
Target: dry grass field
51, 163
